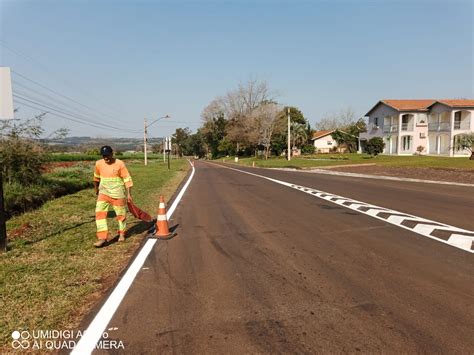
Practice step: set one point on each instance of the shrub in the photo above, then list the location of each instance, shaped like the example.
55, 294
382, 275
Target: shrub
62, 181
375, 146
308, 149
21, 160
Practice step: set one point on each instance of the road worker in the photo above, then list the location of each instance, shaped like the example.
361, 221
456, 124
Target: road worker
111, 181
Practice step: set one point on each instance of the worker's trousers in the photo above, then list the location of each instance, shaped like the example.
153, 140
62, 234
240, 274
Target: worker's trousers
104, 203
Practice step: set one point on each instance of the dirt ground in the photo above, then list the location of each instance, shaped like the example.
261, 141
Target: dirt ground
437, 174
50, 166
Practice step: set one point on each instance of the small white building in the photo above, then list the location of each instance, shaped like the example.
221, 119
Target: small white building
408, 125
323, 141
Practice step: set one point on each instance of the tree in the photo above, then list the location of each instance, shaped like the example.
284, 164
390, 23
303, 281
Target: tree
179, 139
213, 132
195, 145
298, 123
349, 135
157, 148
465, 142
265, 120
236, 108
298, 132
341, 119
375, 146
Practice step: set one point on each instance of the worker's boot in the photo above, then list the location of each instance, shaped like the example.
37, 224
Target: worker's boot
121, 238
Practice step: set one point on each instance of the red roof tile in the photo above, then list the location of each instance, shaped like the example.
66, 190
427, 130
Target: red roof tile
320, 134
410, 105
458, 102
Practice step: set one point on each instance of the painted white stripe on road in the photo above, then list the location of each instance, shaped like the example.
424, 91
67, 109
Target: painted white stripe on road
94, 332
368, 176
461, 241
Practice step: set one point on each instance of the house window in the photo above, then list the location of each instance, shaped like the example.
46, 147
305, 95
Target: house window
457, 120
329, 142
406, 143
376, 121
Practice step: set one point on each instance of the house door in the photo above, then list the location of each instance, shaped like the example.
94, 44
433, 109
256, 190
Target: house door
393, 145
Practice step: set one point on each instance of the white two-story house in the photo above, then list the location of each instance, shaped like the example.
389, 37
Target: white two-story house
425, 126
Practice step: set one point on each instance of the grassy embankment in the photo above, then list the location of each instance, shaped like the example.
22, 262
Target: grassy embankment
52, 274
321, 160
59, 182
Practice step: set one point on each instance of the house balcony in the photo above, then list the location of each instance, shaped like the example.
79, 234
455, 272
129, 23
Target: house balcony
439, 126
390, 128
407, 126
463, 125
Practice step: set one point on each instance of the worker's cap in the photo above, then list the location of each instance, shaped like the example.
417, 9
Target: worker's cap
106, 150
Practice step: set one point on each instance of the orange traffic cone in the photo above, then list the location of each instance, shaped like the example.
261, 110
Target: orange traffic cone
162, 230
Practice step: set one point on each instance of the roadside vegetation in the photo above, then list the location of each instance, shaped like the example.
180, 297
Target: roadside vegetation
52, 275
61, 181
248, 121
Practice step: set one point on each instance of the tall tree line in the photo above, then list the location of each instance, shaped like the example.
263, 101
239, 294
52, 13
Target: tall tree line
245, 121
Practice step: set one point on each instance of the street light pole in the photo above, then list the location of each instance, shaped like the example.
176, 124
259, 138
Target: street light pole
144, 144
145, 136
289, 141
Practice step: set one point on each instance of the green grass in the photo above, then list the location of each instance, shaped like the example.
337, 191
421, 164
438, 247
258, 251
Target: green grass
52, 274
320, 160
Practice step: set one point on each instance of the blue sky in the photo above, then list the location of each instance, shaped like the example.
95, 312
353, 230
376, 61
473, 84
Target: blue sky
136, 59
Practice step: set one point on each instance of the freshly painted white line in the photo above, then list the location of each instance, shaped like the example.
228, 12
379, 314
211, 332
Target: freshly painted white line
424, 228
181, 193
461, 241
368, 176
94, 332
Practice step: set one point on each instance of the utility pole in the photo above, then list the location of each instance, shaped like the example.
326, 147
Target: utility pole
144, 143
164, 149
169, 151
289, 141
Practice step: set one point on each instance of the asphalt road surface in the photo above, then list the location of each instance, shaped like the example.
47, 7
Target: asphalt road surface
258, 267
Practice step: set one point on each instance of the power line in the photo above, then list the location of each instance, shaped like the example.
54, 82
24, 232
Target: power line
76, 118
64, 117
50, 97
65, 111
35, 61
59, 94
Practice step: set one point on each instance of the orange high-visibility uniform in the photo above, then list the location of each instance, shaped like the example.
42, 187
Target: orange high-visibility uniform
114, 178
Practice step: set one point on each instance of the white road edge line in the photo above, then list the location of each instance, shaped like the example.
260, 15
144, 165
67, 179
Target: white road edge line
456, 241
376, 177
93, 333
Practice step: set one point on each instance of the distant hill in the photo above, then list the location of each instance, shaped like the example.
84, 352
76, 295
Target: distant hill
87, 143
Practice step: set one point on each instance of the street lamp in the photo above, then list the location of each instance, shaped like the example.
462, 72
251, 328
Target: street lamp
145, 138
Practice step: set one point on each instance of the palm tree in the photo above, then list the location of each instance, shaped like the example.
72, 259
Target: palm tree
299, 133
465, 142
